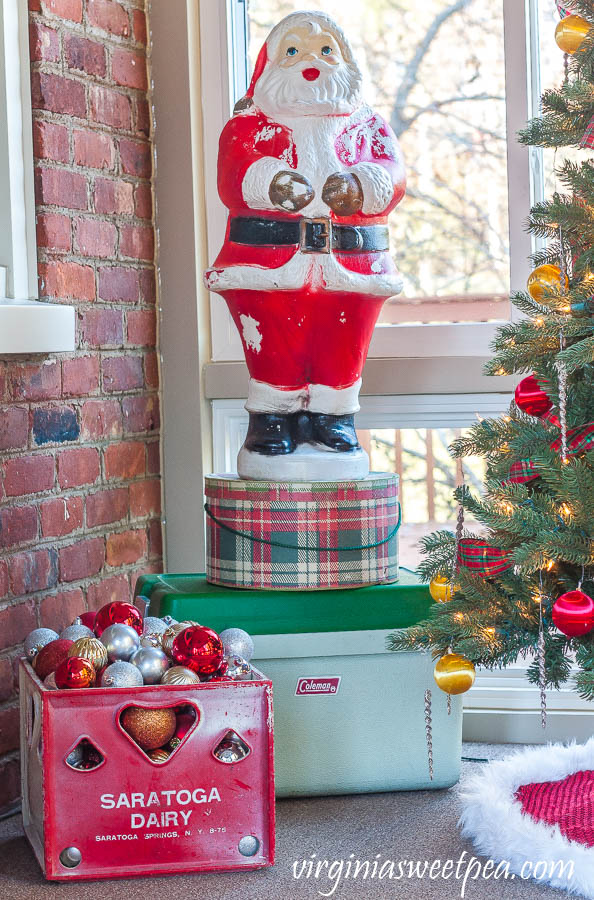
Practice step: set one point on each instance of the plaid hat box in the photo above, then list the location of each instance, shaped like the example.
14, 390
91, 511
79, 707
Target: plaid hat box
265, 535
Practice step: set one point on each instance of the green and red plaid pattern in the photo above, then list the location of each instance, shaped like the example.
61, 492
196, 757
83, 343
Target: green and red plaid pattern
579, 440
563, 11
356, 520
587, 142
481, 557
522, 471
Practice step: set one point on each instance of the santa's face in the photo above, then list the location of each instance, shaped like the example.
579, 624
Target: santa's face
308, 75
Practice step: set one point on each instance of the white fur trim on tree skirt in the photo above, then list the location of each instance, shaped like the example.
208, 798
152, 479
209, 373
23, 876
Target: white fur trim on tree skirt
377, 185
494, 820
256, 182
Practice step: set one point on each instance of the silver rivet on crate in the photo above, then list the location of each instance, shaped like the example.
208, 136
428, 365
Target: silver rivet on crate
70, 857
248, 845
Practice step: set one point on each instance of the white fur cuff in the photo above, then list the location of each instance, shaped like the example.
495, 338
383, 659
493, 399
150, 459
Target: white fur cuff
334, 401
266, 398
377, 185
256, 182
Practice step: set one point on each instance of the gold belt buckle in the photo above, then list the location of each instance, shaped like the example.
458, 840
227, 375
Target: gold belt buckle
325, 234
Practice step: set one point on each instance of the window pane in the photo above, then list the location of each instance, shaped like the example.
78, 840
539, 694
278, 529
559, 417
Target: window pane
436, 72
428, 475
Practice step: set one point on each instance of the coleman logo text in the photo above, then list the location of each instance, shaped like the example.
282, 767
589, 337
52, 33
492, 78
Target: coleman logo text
327, 684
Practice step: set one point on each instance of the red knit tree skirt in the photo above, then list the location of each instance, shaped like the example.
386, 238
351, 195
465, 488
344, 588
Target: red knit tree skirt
568, 803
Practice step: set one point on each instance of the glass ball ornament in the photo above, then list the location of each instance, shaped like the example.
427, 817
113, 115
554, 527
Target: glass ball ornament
151, 662
169, 620
180, 675
153, 625
121, 674
171, 633
454, 674
573, 613
570, 33
149, 728
120, 641
531, 398
199, 648
37, 639
237, 668
546, 277
117, 613
49, 657
75, 631
441, 589
160, 755
86, 618
91, 648
237, 642
75, 672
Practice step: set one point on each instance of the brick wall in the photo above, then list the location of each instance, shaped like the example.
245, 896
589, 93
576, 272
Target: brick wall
79, 432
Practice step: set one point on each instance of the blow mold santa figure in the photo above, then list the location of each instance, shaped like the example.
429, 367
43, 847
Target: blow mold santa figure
309, 174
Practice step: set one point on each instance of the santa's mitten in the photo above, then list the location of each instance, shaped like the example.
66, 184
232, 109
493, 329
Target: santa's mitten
343, 193
290, 191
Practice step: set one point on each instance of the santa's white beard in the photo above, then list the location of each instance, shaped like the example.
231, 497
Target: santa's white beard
285, 92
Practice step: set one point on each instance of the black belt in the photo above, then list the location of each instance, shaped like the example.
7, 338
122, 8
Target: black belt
312, 235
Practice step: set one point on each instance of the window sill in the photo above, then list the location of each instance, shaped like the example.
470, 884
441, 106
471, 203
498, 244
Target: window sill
30, 326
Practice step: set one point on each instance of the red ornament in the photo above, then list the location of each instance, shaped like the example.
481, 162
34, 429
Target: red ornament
75, 672
199, 648
88, 618
531, 398
49, 657
185, 722
117, 612
573, 613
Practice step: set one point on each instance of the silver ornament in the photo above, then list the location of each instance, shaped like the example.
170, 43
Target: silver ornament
237, 642
76, 631
150, 640
180, 675
153, 625
121, 641
50, 682
121, 674
169, 621
231, 749
238, 668
151, 662
38, 639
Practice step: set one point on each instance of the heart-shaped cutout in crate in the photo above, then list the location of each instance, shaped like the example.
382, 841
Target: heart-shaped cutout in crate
158, 731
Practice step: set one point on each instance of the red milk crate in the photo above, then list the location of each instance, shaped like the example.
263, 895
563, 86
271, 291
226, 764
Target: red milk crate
129, 815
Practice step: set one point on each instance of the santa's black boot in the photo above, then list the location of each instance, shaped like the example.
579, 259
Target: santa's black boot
336, 432
270, 434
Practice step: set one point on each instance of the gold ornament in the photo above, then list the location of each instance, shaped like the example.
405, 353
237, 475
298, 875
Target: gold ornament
160, 755
180, 675
92, 649
454, 674
570, 33
441, 589
150, 728
545, 277
168, 637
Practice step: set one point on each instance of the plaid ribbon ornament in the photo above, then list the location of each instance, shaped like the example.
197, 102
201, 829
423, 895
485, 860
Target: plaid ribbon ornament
587, 142
563, 11
482, 558
579, 440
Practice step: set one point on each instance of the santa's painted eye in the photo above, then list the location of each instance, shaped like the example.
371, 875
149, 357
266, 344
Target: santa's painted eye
326, 50
292, 51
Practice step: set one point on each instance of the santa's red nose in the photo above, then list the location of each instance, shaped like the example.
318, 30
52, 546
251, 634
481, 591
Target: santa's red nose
310, 74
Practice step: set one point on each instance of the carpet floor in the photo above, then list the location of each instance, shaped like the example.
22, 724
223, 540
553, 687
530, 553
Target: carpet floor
414, 826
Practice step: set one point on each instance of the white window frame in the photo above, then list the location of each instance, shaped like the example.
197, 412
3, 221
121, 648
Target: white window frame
220, 21
26, 325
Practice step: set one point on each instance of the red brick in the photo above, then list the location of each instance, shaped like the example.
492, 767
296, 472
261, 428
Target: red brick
66, 9
118, 284
145, 498
95, 237
78, 466
44, 43
126, 547
139, 26
9, 729
61, 516
153, 458
141, 413
16, 622
101, 327
7, 679
80, 376
84, 55
109, 16
114, 197
82, 560
122, 373
28, 475
67, 280
57, 187
14, 427
59, 610
108, 590
10, 777
136, 158
148, 288
101, 420
109, 107
4, 584
108, 506
18, 525
50, 141
53, 231
93, 149
143, 201
124, 460
151, 370
143, 117
137, 241
128, 68
39, 381
155, 539
142, 327
58, 94
34, 570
